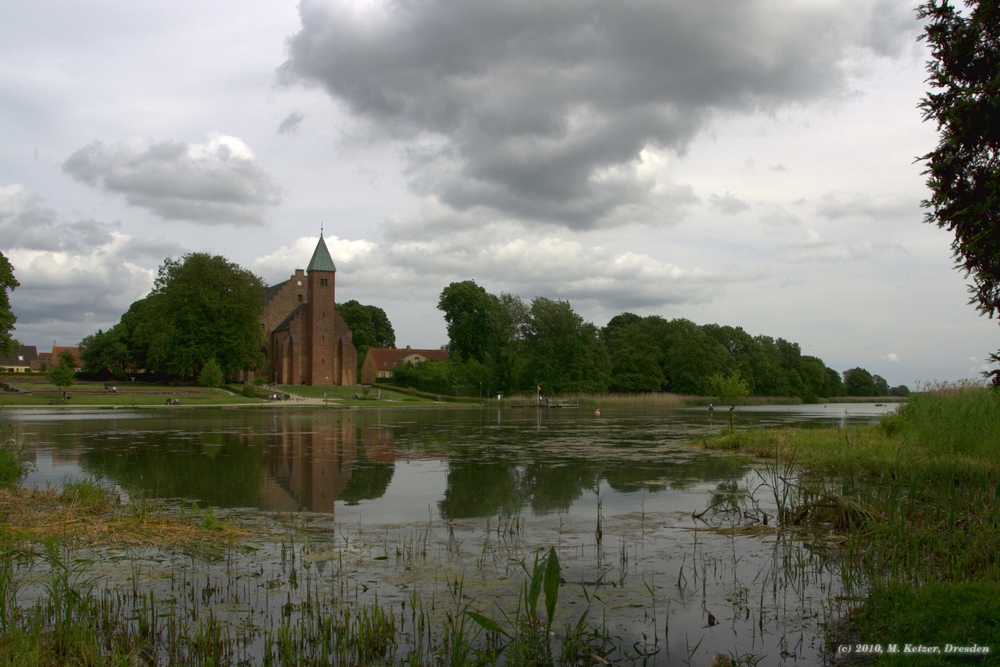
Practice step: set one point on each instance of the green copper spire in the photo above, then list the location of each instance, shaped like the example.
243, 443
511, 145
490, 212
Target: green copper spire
321, 260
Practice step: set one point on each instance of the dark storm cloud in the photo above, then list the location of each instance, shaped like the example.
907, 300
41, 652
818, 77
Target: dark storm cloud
541, 110
216, 182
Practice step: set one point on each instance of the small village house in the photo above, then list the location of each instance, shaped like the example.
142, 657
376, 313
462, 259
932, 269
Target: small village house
380, 362
19, 360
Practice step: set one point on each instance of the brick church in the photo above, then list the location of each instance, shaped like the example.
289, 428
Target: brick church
308, 342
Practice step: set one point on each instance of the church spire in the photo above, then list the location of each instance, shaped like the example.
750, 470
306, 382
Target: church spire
321, 260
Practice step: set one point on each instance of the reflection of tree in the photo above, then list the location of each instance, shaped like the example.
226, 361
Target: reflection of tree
481, 488
478, 488
368, 480
554, 487
680, 474
227, 472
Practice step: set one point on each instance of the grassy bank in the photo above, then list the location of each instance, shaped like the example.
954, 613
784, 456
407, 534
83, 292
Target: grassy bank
916, 501
37, 391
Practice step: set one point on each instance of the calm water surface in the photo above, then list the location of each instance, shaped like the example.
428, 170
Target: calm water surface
636, 515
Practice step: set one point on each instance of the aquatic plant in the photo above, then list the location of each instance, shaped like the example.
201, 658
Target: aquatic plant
13, 467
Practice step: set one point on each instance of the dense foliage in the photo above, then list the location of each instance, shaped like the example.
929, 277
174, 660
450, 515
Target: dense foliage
201, 307
369, 325
500, 344
963, 171
7, 319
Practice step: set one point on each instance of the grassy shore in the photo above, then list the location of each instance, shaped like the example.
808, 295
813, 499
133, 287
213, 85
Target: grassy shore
188, 588
916, 502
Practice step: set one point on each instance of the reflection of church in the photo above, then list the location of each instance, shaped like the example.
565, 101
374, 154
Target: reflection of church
311, 468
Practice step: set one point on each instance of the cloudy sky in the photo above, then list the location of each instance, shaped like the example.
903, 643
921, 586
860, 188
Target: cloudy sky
745, 162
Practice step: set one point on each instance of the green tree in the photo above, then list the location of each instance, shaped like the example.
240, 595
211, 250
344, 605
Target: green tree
636, 358
7, 318
369, 325
211, 375
693, 358
729, 389
564, 353
859, 382
203, 307
963, 171
881, 385
430, 376
62, 374
104, 353
473, 317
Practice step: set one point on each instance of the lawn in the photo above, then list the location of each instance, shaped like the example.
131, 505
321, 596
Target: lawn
357, 396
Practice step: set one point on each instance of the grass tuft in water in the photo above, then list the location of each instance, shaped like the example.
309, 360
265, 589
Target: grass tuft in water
916, 500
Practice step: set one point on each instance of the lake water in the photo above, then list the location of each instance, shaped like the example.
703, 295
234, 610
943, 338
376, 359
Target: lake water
669, 537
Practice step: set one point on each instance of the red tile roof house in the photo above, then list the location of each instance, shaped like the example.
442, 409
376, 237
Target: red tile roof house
46, 360
380, 361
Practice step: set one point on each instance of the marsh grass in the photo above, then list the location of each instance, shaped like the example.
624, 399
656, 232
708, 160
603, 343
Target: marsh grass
71, 621
13, 466
60, 611
84, 513
916, 502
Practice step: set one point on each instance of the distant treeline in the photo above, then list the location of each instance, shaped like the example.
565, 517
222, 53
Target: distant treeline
500, 344
205, 309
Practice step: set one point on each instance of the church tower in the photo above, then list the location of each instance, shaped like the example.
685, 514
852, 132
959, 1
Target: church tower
322, 339
308, 341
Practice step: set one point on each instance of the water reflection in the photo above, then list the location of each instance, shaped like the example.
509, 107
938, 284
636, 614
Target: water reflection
399, 501
542, 460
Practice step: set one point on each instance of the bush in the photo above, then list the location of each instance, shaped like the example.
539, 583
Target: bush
211, 375
250, 391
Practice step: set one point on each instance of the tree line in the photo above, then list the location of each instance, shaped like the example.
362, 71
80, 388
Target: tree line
500, 344
204, 312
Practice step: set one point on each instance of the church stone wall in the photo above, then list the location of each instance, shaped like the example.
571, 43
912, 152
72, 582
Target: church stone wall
283, 299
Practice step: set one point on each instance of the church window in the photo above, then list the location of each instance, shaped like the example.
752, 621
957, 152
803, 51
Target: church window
300, 298
322, 282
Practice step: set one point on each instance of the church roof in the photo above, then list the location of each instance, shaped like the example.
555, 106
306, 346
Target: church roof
321, 260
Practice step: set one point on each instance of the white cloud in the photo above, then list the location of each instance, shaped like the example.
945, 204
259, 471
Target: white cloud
348, 255
835, 205
75, 293
728, 203
218, 181
546, 265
